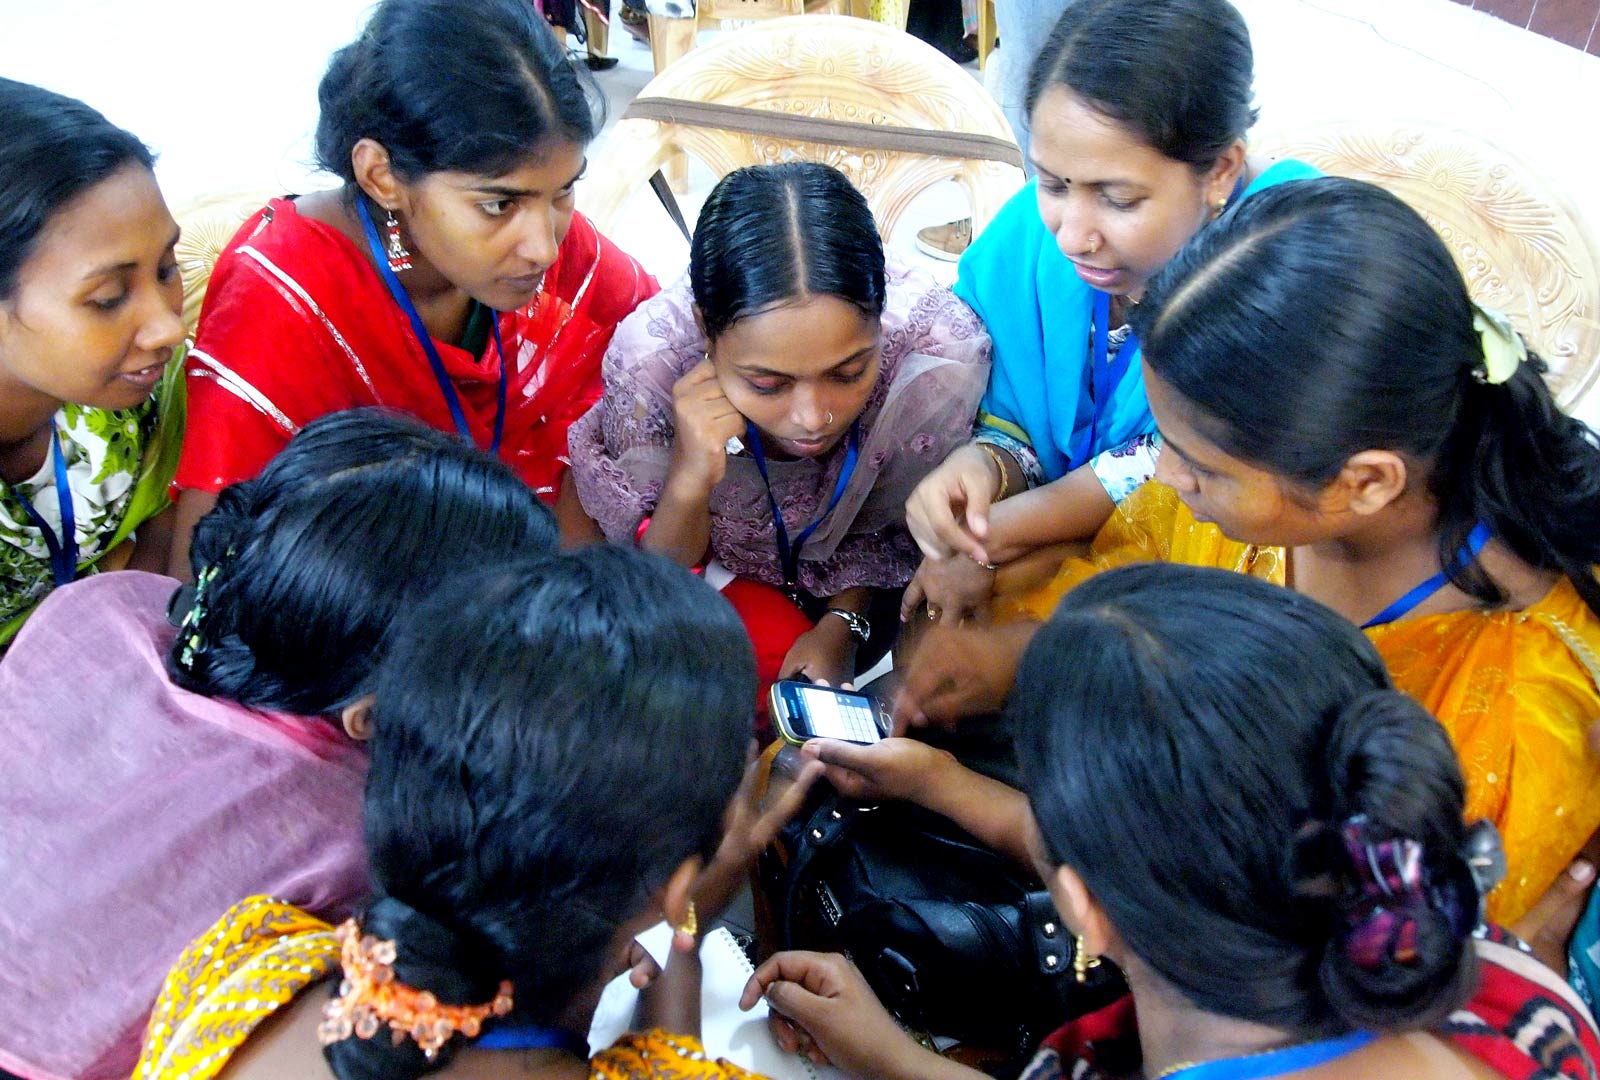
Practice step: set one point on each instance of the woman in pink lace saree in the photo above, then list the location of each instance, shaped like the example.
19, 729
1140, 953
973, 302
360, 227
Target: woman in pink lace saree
767, 416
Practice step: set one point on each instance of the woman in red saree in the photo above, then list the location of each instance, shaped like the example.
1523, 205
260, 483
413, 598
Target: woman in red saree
453, 237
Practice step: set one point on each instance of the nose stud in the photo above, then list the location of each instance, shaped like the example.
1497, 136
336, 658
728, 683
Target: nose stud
1098, 244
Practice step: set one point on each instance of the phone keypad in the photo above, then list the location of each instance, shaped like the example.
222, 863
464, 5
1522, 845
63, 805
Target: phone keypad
834, 717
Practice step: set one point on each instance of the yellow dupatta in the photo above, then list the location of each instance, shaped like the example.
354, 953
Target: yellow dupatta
263, 952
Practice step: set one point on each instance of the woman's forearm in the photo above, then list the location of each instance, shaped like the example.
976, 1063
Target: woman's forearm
917, 1062
672, 1001
1071, 508
996, 815
680, 528
857, 599
1010, 477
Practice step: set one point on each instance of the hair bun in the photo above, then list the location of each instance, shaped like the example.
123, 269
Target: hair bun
430, 955
1402, 908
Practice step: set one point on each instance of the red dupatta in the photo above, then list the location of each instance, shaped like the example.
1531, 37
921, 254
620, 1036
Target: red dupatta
297, 324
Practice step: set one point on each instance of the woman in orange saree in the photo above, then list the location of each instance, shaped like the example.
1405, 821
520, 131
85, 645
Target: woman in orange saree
1340, 418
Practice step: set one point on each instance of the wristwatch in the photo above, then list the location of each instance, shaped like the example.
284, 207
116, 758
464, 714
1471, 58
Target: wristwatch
860, 629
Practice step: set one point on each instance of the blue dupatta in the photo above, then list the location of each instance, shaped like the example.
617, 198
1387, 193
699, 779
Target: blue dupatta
1037, 310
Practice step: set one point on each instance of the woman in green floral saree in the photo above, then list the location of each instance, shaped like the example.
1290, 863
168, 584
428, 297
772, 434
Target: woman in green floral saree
91, 395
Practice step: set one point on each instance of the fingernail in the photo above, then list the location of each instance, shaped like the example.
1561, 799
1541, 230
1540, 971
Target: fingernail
1582, 871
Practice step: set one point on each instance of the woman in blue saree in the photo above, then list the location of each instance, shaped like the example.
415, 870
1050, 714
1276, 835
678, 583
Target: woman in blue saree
1138, 111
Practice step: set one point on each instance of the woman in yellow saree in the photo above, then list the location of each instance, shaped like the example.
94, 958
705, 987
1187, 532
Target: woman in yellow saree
518, 836
1339, 417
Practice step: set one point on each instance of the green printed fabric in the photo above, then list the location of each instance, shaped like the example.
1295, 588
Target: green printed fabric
120, 464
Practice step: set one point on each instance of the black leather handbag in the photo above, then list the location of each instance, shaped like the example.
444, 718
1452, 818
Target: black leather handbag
955, 938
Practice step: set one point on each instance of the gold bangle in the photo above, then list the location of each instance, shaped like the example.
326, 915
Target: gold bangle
994, 456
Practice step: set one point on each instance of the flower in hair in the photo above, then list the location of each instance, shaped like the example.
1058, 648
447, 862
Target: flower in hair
1503, 348
370, 997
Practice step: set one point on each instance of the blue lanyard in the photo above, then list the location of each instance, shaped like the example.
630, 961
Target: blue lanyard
1403, 606
1105, 375
530, 1037
442, 377
789, 554
1276, 1062
63, 548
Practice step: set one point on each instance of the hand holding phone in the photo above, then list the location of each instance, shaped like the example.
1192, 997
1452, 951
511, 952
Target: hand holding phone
895, 768
803, 711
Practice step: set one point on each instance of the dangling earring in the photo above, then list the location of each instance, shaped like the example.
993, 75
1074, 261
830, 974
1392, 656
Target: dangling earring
399, 257
1082, 962
691, 922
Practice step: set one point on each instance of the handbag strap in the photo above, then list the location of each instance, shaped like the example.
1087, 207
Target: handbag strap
825, 828
1052, 945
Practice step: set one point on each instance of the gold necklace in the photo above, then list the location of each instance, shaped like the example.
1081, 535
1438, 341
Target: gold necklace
1173, 1070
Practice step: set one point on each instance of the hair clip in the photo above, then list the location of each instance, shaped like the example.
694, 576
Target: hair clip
194, 641
1503, 348
1485, 857
370, 997
187, 609
1391, 884
180, 605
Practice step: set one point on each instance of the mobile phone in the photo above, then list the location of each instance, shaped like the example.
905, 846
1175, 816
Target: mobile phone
802, 711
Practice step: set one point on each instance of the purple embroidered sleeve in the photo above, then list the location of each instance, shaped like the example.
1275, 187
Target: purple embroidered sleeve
620, 448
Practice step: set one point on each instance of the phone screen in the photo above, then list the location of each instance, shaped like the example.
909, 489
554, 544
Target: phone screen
836, 714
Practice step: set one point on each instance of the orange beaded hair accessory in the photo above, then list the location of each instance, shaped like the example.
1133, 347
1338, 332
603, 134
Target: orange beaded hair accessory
370, 996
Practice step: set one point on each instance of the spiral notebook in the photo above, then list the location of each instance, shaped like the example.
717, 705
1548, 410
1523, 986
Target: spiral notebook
741, 1037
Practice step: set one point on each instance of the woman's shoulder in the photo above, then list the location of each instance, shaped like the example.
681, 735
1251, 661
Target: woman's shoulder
123, 596
280, 236
591, 267
923, 315
1523, 1019
661, 330
1551, 645
1016, 221
127, 612
282, 256
1011, 248
1279, 171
